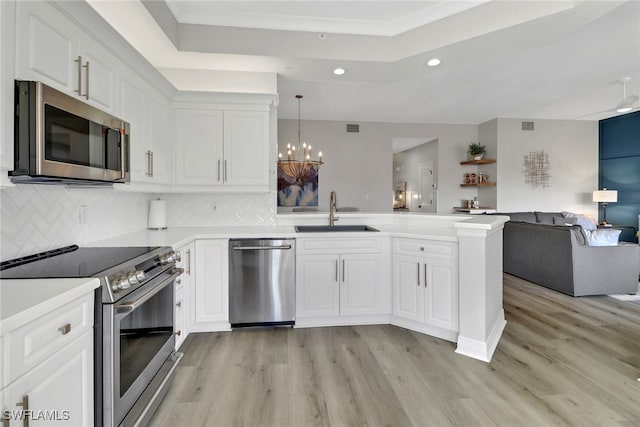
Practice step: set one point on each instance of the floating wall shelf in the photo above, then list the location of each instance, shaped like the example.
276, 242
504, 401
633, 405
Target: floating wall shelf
478, 162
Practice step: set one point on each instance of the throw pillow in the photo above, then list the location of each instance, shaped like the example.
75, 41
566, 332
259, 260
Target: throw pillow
587, 224
558, 220
603, 237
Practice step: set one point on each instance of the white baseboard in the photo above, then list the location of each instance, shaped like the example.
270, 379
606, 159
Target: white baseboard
482, 350
319, 322
434, 331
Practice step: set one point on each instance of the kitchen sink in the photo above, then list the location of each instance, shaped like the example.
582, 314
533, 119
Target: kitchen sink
332, 228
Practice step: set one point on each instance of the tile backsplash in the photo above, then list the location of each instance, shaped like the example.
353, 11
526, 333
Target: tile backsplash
36, 218
223, 209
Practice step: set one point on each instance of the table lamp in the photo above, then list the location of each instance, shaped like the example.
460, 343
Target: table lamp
605, 196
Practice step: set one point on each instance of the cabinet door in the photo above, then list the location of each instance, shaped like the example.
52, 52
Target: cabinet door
61, 385
441, 294
212, 283
160, 131
184, 293
199, 147
246, 148
359, 290
99, 75
134, 111
46, 46
408, 293
317, 282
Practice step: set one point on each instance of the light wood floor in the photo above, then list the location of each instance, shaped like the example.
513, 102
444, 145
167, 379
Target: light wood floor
561, 361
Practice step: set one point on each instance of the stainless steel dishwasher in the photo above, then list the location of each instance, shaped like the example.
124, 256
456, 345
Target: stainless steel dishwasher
262, 282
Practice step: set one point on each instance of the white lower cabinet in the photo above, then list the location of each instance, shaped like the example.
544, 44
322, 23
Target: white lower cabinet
425, 286
48, 368
58, 391
184, 287
211, 291
350, 285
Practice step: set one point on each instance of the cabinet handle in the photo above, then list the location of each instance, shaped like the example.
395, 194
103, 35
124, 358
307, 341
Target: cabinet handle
225, 170
25, 408
336, 270
148, 173
79, 61
65, 329
188, 262
343, 271
218, 170
425, 275
151, 163
86, 80
418, 274
179, 333
178, 281
179, 304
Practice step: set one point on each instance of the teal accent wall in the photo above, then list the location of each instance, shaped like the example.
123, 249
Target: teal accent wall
619, 148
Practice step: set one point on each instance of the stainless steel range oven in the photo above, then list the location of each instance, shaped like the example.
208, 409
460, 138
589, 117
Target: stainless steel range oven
134, 328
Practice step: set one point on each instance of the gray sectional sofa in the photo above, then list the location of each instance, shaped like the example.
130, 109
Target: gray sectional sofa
558, 257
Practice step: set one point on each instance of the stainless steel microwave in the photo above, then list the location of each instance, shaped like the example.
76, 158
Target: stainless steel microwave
60, 139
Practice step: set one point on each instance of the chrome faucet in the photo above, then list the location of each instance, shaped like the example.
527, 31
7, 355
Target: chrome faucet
332, 209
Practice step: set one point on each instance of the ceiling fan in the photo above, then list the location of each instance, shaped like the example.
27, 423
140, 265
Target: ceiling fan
625, 105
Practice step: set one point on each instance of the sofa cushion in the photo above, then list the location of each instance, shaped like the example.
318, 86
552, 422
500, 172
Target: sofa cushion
559, 220
546, 217
603, 237
520, 216
587, 224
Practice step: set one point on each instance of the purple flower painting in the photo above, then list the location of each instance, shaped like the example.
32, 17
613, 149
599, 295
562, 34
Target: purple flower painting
300, 191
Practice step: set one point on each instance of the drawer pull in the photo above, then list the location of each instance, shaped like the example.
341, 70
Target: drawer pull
65, 329
422, 248
179, 333
179, 304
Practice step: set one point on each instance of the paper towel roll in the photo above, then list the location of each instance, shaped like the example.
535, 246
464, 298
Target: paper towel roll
157, 215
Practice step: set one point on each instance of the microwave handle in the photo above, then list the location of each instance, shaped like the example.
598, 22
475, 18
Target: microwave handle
124, 143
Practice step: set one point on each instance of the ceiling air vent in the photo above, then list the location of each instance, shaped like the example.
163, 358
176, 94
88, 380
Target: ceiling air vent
353, 128
527, 125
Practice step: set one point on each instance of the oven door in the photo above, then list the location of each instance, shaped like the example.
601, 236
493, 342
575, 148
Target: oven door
138, 337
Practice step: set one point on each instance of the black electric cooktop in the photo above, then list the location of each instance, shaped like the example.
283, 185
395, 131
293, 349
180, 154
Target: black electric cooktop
69, 262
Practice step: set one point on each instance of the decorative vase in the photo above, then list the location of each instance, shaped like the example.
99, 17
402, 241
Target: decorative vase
477, 157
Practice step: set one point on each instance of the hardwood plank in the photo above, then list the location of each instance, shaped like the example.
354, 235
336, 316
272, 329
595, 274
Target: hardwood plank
562, 361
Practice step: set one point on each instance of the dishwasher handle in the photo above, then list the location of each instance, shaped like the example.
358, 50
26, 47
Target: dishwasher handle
261, 248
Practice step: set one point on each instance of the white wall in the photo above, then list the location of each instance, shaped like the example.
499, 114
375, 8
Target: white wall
488, 136
573, 157
406, 167
359, 166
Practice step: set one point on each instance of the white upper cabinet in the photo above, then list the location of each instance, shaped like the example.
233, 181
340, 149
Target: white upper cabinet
47, 46
246, 148
223, 142
150, 131
199, 147
219, 149
53, 50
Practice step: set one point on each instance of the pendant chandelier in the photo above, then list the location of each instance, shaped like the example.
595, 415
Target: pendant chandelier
298, 163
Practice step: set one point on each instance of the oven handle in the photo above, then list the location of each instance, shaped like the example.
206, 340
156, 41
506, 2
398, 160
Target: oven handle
129, 306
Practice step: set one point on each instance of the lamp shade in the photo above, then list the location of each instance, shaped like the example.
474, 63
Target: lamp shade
604, 195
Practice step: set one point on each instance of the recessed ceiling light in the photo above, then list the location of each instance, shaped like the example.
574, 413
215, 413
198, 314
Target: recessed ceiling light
433, 62
339, 71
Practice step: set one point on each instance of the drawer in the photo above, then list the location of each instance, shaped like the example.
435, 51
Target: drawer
340, 245
430, 248
32, 343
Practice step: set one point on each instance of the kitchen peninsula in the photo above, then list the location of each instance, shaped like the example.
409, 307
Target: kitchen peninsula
436, 274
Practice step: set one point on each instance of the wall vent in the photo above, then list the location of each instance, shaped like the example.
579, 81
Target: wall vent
527, 125
353, 128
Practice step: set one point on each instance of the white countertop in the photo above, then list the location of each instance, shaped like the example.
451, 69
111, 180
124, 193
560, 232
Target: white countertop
23, 300
434, 227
